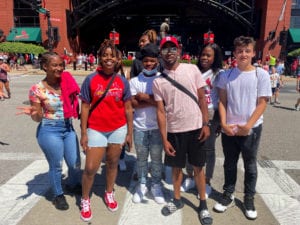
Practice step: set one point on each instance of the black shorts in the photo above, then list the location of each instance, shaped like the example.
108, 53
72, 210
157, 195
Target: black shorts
186, 144
273, 90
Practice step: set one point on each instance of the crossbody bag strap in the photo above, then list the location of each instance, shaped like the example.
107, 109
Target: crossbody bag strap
104, 94
180, 87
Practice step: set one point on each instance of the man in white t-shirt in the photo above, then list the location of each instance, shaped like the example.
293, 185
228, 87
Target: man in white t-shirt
183, 123
244, 92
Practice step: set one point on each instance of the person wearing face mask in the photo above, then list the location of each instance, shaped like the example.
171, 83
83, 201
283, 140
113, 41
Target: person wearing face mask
149, 36
147, 138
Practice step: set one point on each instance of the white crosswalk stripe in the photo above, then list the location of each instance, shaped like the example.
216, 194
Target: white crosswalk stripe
19, 194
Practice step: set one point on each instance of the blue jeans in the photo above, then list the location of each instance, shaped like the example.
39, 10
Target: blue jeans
248, 146
58, 141
148, 142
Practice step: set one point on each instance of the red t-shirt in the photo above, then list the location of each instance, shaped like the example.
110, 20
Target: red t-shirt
109, 115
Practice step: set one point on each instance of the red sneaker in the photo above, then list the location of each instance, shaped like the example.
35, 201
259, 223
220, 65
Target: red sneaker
110, 201
86, 212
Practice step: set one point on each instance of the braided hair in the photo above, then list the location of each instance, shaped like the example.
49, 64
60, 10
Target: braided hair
46, 58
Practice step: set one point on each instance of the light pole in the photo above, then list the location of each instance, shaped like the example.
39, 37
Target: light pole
49, 32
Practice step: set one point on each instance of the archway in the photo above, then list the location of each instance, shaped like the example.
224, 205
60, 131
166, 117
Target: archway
93, 20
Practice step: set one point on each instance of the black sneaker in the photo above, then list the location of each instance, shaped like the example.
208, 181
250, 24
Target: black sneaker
225, 202
60, 202
172, 207
205, 217
250, 211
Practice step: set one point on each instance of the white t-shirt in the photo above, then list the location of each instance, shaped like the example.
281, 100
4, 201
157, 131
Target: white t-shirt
211, 92
144, 118
274, 78
182, 112
243, 88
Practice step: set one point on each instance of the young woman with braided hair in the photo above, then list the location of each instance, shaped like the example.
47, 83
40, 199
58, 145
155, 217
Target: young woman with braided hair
105, 129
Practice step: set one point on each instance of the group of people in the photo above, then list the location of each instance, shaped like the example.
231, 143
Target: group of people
167, 108
275, 68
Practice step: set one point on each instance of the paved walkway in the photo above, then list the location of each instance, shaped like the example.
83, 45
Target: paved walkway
25, 197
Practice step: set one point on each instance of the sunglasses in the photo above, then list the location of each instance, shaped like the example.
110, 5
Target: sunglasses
172, 50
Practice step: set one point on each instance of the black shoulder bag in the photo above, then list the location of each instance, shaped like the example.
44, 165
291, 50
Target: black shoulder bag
104, 94
180, 87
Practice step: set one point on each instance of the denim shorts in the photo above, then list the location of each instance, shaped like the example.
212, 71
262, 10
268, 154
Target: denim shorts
102, 139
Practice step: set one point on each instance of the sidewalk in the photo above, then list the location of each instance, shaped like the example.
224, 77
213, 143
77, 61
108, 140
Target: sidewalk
26, 199
33, 71
82, 72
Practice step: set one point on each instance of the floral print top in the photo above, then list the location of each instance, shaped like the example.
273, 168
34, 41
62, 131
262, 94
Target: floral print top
50, 101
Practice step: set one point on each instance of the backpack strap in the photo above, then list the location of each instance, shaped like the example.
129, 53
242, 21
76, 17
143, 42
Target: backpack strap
180, 87
104, 94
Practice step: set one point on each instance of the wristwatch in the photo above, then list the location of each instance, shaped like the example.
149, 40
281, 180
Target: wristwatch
206, 124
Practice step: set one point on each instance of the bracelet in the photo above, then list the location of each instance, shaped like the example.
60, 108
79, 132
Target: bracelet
206, 124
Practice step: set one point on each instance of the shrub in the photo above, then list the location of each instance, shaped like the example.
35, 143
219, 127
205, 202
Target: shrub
19, 47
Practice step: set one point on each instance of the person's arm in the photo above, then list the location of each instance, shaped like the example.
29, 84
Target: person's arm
227, 129
142, 100
161, 120
85, 109
129, 118
37, 117
281, 83
35, 111
297, 84
259, 110
5, 67
205, 131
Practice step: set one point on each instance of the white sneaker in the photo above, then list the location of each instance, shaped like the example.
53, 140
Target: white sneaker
250, 210
225, 202
208, 190
187, 184
140, 193
158, 194
122, 165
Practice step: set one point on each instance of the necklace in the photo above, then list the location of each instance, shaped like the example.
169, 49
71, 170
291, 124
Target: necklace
55, 86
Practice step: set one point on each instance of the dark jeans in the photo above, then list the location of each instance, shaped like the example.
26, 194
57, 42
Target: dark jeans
248, 146
210, 146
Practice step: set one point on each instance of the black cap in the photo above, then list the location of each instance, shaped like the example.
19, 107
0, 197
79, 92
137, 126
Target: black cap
150, 50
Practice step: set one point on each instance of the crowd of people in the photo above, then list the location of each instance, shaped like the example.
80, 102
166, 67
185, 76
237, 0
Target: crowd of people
172, 112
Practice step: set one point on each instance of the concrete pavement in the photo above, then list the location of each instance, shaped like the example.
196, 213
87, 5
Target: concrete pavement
25, 197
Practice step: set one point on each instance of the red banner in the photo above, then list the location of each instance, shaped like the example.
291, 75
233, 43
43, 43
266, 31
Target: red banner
115, 36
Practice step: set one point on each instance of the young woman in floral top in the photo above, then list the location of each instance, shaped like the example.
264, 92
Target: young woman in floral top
54, 102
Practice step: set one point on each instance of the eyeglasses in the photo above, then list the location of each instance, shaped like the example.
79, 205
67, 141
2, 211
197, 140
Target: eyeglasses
172, 50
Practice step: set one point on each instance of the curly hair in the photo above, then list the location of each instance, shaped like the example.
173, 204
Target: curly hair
107, 44
119, 64
151, 34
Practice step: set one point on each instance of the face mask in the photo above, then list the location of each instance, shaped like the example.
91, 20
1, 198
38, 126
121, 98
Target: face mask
150, 73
